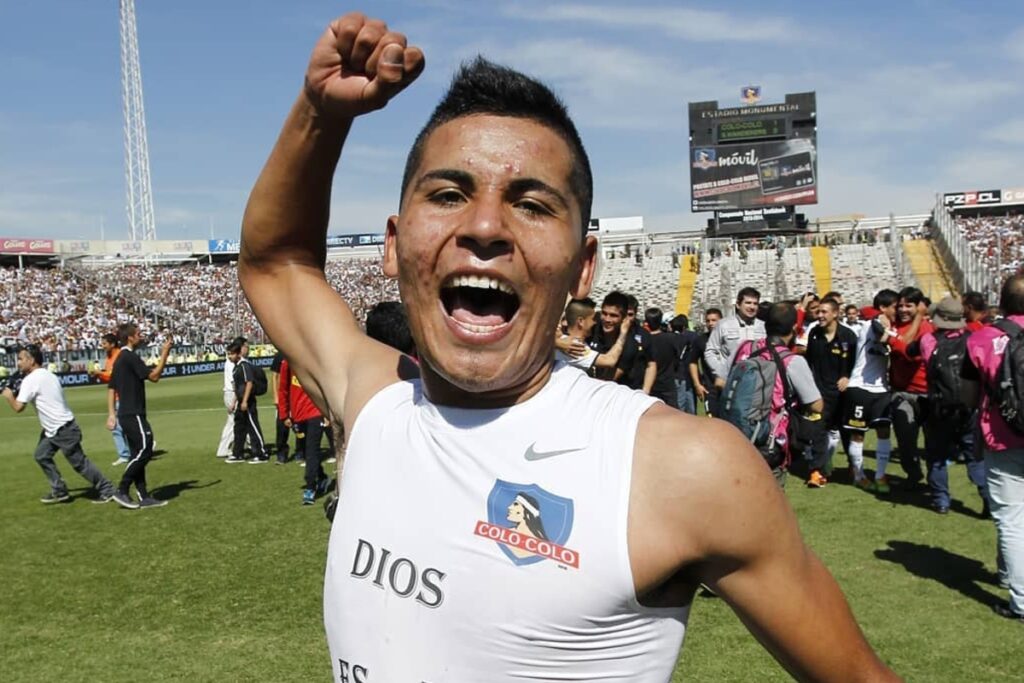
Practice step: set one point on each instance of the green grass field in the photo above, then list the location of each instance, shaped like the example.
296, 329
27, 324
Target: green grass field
224, 584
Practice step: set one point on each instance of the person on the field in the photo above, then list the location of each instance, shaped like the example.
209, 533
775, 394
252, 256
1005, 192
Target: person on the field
41, 388
1003, 446
112, 349
296, 410
126, 405
909, 382
867, 398
247, 419
641, 503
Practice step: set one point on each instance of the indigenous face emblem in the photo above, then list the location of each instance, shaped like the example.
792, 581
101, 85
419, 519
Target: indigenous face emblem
529, 524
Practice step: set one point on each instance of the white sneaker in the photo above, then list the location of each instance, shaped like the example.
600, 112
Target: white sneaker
120, 461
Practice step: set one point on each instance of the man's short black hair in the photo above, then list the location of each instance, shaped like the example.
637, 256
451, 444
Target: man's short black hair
885, 298
125, 330
912, 295
616, 299
975, 301
680, 323
713, 311
483, 87
111, 339
34, 352
780, 319
235, 346
847, 308
632, 303
653, 317
829, 301
762, 310
387, 323
579, 308
747, 292
1011, 296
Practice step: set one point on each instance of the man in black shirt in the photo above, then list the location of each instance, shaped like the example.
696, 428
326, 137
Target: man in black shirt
701, 376
247, 420
636, 368
128, 386
685, 401
666, 348
831, 353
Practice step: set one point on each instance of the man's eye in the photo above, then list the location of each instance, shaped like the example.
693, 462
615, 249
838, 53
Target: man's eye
446, 197
533, 207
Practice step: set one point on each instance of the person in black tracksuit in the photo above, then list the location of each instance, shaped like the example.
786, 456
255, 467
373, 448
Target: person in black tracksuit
247, 420
831, 353
128, 385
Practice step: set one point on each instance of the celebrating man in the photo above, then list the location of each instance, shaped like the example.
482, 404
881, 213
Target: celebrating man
628, 503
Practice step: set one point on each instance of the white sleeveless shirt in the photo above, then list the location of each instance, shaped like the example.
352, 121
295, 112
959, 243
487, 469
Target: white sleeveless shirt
490, 545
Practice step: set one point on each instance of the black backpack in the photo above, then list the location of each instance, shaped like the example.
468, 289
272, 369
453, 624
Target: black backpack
259, 381
1006, 394
943, 372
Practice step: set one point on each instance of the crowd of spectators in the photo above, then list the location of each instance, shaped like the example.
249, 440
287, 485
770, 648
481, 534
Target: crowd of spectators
71, 308
999, 240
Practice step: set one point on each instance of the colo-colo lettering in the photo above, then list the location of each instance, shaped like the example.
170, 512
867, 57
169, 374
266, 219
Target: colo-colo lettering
399, 574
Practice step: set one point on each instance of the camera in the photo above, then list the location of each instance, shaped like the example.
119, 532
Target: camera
13, 382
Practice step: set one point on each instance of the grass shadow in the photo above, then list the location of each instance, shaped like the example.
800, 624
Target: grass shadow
171, 491
954, 571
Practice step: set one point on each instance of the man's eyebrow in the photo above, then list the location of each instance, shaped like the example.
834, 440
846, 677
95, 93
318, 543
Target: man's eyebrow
460, 178
523, 185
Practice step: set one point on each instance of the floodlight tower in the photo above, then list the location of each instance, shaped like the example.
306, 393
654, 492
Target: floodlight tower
141, 225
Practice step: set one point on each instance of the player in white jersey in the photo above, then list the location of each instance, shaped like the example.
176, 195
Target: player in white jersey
866, 404
429, 577
579, 321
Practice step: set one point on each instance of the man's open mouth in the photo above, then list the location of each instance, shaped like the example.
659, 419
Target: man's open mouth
479, 303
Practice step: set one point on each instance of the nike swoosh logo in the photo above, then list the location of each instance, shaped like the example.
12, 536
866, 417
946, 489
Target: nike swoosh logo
532, 454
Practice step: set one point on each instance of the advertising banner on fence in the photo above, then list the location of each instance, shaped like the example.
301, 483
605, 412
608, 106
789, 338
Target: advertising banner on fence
224, 246
24, 245
77, 379
748, 175
362, 239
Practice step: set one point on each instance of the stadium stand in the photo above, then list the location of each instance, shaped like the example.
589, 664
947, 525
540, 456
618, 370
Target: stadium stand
999, 240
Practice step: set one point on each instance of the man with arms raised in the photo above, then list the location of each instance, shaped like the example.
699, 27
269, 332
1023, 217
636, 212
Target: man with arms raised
499, 517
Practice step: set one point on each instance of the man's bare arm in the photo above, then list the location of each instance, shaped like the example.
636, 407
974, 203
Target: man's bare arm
355, 68
16, 405
730, 527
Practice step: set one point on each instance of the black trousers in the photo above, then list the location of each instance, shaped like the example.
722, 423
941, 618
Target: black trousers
313, 431
281, 439
139, 436
247, 424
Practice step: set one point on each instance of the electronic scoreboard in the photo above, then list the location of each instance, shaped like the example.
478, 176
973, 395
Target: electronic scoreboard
751, 165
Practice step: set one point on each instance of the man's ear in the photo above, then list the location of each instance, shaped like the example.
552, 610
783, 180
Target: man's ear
588, 263
390, 261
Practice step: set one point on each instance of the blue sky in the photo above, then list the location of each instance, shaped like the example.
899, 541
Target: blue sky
914, 97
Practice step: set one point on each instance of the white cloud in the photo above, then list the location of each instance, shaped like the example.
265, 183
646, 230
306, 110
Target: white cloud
675, 22
1014, 44
909, 97
1007, 133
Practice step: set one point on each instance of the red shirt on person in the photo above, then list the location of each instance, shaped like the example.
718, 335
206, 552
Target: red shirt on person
907, 372
292, 400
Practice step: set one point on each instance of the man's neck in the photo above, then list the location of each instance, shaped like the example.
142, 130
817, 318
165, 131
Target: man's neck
830, 328
745, 319
442, 392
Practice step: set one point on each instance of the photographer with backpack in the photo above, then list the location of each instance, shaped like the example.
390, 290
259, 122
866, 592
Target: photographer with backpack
250, 382
993, 373
770, 394
950, 424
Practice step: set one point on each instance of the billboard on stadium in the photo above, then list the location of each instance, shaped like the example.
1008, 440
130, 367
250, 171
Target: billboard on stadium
754, 174
225, 246
979, 198
22, 245
753, 157
362, 239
